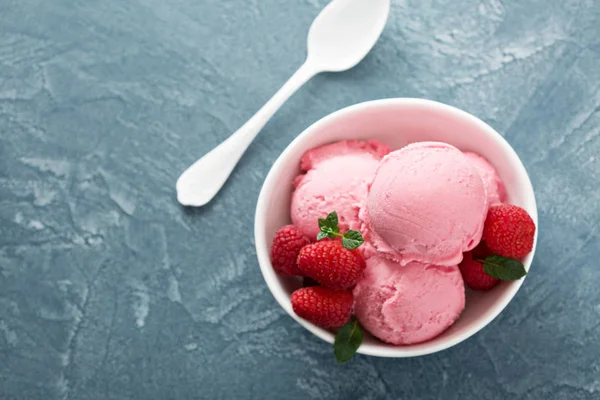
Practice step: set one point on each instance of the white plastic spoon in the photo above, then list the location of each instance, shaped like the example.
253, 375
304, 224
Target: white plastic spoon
338, 39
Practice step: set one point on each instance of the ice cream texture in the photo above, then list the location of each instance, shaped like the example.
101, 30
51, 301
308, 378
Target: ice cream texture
492, 181
334, 177
419, 208
409, 304
427, 203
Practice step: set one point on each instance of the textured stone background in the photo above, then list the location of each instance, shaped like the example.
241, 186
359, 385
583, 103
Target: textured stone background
110, 290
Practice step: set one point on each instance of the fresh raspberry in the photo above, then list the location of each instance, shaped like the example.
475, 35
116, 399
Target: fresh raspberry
474, 275
285, 249
327, 308
509, 231
331, 264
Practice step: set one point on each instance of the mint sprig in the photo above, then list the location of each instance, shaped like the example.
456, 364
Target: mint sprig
347, 341
330, 229
503, 268
329, 226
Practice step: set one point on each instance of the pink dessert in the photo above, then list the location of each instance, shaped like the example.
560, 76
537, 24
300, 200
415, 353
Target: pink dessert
335, 178
493, 184
427, 203
419, 209
410, 304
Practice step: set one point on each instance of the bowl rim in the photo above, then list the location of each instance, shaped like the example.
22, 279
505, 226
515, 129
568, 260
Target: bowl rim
263, 252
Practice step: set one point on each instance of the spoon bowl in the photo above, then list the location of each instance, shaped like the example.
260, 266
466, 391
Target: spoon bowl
344, 33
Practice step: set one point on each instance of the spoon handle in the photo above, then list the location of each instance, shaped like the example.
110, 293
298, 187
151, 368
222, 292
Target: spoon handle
201, 182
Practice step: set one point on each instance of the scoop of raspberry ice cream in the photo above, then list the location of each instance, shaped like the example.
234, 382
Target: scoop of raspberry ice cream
408, 304
491, 180
334, 177
427, 203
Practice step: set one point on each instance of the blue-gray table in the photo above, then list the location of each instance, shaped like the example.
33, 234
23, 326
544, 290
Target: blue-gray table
111, 290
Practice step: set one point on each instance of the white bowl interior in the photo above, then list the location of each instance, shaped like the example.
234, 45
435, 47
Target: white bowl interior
396, 122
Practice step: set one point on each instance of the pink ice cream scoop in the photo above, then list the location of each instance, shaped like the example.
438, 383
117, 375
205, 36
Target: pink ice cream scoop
335, 178
410, 304
493, 184
427, 203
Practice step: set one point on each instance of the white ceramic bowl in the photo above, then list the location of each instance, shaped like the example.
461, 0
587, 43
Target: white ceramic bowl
396, 122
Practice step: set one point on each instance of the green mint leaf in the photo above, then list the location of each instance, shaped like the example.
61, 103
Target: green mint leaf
506, 269
327, 233
329, 225
347, 341
352, 239
332, 220
323, 224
